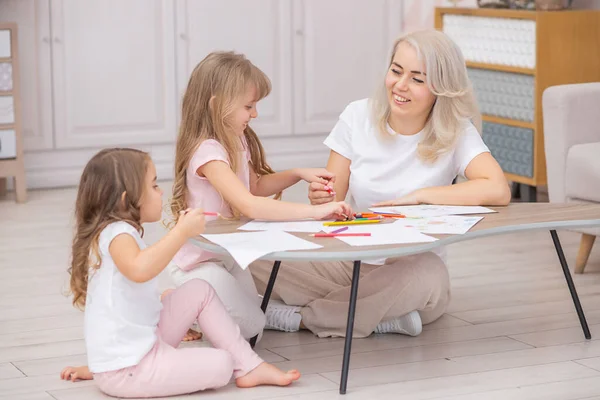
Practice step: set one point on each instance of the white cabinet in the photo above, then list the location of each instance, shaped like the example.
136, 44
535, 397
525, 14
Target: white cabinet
33, 20
101, 73
260, 29
341, 50
113, 72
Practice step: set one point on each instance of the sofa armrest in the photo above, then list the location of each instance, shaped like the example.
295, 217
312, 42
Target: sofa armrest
571, 116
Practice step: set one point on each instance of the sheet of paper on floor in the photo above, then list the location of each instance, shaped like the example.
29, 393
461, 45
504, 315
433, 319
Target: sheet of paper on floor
286, 226
429, 210
445, 224
246, 247
388, 233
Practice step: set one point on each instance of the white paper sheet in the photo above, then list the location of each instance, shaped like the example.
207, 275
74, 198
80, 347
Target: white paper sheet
381, 234
286, 226
246, 247
428, 210
445, 224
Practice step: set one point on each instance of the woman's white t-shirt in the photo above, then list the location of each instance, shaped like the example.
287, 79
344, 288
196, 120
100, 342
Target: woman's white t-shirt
388, 168
121, 316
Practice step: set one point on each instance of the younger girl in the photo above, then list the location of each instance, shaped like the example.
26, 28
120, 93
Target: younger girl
220, 166
130, 336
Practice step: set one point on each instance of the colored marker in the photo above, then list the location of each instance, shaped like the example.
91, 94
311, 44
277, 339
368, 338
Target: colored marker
211, 214
324, 235
345, 228
354, 222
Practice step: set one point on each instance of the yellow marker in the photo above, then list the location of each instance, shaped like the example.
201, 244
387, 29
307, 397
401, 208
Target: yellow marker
368, 221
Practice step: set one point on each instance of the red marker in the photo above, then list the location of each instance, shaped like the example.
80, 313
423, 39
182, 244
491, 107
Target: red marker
211, 214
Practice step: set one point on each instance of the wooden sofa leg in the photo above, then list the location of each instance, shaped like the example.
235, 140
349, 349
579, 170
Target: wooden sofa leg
3, 188
585, 248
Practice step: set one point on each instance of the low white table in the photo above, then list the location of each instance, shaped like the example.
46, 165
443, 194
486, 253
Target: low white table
516, 217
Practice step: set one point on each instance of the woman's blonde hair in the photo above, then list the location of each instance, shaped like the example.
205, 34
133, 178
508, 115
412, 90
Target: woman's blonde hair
100, 201
447, 79
216, 84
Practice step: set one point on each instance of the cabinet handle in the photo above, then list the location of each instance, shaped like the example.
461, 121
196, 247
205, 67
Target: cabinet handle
46, 39
57, 40
299, 32
183, 36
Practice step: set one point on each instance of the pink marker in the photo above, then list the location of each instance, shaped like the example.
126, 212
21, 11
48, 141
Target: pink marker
340, 230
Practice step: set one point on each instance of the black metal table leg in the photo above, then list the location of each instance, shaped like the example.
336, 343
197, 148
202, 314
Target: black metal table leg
350, 327
267, 296
570, 284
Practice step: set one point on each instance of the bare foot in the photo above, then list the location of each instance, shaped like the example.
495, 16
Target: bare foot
267, 374
76, 373
192, 335
166, 292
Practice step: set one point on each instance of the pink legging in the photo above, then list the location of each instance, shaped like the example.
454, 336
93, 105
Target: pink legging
168, 371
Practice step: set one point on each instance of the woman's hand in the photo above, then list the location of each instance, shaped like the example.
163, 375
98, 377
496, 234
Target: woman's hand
338, 210
408, 200
319, 193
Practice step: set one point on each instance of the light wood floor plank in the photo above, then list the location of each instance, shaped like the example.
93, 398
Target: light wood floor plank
502, 304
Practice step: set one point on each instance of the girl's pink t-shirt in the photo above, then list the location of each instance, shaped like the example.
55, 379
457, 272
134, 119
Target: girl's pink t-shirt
201, 194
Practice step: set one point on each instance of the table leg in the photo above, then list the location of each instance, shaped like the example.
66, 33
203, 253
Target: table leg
267, 296
570, 284
350, 327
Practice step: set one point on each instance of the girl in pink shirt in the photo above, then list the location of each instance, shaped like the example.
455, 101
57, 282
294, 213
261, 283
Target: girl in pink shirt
220, 166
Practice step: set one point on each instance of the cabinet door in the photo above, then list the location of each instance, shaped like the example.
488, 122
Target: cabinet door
341, 51
114, 72
33, 21
260, 29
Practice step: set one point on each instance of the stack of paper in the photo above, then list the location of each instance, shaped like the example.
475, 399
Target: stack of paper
382, 234
428, 210
286, 226
247, 247
446, 224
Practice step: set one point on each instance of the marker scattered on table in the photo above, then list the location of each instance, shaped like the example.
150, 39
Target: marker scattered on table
354, 222
327, 235
345, 228
378, 215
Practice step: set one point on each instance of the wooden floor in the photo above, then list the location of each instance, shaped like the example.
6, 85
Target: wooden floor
510, 332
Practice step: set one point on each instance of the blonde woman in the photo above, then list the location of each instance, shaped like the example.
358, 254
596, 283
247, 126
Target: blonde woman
405, 145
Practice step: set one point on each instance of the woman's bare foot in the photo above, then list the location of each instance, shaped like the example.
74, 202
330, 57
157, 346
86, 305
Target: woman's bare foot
76, 373
267, 374
191, 334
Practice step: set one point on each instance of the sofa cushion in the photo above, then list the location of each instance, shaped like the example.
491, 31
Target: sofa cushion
583, 172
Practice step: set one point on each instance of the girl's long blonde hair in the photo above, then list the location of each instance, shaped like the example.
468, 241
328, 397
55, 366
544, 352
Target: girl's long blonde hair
447, 79
100, 201
215, 85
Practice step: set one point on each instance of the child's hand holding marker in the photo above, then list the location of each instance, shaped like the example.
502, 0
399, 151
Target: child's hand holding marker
314, 175
191, 222
337, 210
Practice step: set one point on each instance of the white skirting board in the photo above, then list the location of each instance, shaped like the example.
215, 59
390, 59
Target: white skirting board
62, 168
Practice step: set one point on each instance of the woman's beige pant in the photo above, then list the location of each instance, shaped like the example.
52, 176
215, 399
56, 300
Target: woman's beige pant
418, 282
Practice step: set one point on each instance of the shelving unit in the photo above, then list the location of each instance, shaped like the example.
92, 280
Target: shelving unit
11, 147
512, 56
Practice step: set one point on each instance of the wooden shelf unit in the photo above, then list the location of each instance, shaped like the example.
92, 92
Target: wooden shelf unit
567, 50
12, 165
